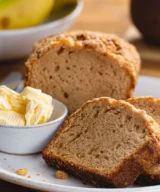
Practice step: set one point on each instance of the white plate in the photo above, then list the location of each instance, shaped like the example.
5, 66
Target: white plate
18, 43
43, 177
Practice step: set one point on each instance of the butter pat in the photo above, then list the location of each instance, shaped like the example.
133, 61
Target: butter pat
38, 106
31, 107
11, 118
11, 100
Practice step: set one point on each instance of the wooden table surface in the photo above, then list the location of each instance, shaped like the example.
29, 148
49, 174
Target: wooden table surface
105, 15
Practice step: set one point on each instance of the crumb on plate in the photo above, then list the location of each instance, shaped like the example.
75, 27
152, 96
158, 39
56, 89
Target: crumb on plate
22, 172
61, 175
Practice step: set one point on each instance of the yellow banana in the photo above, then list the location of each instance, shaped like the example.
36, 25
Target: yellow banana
16, 14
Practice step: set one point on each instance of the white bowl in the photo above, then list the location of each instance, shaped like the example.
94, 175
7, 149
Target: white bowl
18, 43
32, 139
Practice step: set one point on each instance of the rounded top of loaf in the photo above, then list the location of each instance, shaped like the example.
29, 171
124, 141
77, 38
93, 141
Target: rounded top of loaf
108, 45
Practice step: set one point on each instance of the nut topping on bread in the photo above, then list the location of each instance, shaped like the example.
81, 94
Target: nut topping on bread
77, 66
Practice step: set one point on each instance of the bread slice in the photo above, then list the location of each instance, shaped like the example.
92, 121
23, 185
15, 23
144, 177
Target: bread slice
77, 66
151, 177
152, 107
149, 104
107, 142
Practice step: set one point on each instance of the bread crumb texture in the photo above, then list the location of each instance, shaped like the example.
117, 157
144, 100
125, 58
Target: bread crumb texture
61, 175
22, 172
152, 108
78, 66
107, 143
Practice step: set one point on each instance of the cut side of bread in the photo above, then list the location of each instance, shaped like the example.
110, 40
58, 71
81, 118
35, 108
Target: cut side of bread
149, 104
77, 66
152, 107
107, 143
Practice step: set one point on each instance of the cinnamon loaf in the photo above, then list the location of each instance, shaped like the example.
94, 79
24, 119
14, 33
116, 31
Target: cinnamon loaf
77, 66
107, 143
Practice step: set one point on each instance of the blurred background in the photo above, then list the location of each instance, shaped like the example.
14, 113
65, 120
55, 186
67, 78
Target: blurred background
23, 22
21, 25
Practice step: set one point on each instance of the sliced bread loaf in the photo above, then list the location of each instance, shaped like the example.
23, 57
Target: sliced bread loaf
77, 66
107, 142
152, 107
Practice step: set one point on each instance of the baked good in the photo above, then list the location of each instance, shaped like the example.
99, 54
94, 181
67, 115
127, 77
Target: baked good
107, 143
151, 177
77, 66
149, 104
61, 175
152, 107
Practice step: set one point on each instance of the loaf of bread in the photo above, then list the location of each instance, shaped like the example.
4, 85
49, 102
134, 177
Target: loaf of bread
77, 66
152, 107
107, 143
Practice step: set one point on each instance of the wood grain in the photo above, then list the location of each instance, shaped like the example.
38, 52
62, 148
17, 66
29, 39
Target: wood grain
99, 15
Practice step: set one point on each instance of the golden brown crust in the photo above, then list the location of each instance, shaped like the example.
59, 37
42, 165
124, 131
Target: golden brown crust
124, 176
133, 100
108, 45
150, 99
128, 171
152, 176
